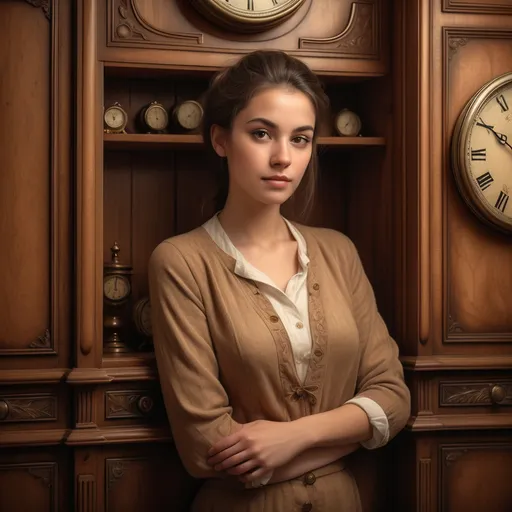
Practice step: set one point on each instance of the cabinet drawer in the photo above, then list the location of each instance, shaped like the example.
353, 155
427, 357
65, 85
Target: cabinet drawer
132, 403
475, 392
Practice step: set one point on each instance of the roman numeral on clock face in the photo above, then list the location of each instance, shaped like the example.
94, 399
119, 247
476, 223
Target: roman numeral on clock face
502, 201
502, 102
479, 154
274, 2
485, 180
250, 5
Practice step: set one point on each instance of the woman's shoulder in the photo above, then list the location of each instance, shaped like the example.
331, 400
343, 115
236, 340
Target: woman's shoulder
181, 249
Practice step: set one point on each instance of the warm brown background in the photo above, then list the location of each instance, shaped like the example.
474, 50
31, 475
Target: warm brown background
84, 431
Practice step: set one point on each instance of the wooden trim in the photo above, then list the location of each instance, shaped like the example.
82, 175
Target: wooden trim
437, 363
35, 376
89, 186
459, 422
109, 435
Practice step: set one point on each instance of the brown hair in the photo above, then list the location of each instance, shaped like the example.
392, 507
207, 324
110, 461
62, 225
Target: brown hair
231, 90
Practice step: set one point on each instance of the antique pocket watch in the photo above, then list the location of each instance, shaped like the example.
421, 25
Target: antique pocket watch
481, 153
115, 119
154, 118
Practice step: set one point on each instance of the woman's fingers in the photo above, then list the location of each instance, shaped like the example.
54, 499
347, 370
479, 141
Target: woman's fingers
234, 460
255, 475
240, 469
225, 454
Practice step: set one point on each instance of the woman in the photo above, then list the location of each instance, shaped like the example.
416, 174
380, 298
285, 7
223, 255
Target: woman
273, 359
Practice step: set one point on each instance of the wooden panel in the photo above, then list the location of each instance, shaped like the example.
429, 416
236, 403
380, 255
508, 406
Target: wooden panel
476, 476
478, 6
332, 35
35, 480
34, 182
476, 280
133, 478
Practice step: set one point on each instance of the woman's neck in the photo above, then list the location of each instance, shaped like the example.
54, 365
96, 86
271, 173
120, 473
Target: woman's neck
260, 225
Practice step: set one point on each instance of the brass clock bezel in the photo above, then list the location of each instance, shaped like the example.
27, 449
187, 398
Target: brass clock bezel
124, 278
238, 19
473, 196
109, 129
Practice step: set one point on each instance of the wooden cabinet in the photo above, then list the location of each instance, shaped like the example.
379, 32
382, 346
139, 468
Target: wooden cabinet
85, 429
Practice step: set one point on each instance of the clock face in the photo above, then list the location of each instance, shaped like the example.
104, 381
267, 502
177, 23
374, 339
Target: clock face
115, 118
156, 118
482, 153
248, 14
116, 288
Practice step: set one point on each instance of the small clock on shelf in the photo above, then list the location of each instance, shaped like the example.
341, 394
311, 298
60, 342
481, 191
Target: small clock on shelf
115, 119
348, 123
154, 118
116, 294
188, 115
481, 151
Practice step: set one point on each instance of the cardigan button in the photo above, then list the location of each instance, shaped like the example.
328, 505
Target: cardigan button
316, 286
274, 319
307, 507
310, 479
318, 352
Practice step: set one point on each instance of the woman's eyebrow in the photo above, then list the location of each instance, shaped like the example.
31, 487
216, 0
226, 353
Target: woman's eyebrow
270, 124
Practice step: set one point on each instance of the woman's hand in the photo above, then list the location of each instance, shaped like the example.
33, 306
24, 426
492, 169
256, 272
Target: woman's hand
259, 447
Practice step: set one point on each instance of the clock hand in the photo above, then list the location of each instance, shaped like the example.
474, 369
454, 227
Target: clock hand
502, 138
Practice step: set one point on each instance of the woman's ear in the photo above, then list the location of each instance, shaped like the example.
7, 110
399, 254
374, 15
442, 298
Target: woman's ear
218, 137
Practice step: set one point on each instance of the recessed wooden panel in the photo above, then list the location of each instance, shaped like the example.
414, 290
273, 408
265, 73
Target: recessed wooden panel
34, 182
478, 6
476, 477
478, 280
146, 478
333, 35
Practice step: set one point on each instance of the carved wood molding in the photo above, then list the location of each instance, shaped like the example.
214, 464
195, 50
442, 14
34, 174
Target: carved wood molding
360, 37
477, 6
454, 39
128, 26
85, 411
28, 408
129, 404
424, 397
425, 485
43, 344
86, 493
438, 422
435, 363
36, 376
45, 6
45, 472
27, 438
107, 435
474, 393
115, 469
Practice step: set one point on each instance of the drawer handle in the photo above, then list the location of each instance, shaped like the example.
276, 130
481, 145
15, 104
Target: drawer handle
145, 404
4, 410
498, 394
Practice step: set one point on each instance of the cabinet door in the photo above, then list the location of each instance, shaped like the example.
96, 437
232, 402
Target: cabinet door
131, 478
476, 476
36, 480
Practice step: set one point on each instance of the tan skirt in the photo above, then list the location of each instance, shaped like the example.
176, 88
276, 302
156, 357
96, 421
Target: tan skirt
331, 488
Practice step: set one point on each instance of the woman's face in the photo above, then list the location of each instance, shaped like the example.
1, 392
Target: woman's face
269, 146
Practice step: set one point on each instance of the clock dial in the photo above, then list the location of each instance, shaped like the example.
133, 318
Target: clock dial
248, 14
482, 153
116, 288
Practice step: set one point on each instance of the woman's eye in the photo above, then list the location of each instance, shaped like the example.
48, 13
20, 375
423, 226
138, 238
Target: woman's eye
301, 140
260, 134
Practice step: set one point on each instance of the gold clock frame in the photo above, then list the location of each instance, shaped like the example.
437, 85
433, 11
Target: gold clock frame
462, 173
238, 19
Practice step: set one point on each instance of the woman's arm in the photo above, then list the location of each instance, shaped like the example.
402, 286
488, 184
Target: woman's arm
310, 460
195, 400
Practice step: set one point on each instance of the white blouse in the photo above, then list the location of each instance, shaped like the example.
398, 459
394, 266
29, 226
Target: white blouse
292, 308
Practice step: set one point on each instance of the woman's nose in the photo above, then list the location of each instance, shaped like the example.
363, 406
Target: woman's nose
281, 156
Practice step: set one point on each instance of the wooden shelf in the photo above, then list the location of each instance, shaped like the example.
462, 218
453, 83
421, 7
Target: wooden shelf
142, 142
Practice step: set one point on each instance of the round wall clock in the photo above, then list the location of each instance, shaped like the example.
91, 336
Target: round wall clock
482, 153
247, 15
